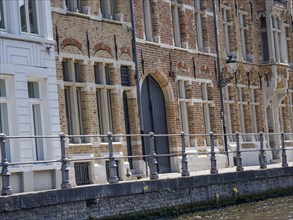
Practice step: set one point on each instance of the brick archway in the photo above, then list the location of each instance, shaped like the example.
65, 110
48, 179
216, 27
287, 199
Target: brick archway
71, 42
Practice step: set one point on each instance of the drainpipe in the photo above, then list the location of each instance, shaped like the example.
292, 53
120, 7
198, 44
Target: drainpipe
220, 79
134, 52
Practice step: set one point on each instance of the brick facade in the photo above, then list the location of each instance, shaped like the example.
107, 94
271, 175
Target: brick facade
88, 39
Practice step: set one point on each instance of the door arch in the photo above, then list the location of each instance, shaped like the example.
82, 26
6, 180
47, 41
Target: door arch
154, 120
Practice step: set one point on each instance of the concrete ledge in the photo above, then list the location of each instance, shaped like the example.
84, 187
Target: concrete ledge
202, 188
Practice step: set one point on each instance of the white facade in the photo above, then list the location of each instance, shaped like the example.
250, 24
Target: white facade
28, 97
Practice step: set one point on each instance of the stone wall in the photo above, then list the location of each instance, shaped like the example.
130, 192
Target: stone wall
109, 200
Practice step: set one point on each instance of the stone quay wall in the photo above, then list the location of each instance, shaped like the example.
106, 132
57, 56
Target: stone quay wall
98, 201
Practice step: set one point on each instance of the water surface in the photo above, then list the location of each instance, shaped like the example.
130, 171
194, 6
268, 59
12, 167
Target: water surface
278, 208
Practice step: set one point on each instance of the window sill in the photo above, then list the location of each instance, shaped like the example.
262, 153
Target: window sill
152, 43
118, 22
79, 14
180, 49
77, 84
274, 63
79, 144
27, 38
102, 86
114, 143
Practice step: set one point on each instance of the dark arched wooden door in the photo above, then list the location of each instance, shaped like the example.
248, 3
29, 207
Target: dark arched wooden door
154, 120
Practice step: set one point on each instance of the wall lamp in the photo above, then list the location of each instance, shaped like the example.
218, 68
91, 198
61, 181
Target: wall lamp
231, 67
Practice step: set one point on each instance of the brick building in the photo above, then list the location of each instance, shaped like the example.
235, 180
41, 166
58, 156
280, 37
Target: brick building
177, 77
176, 40
89, 85
259, 35
95, 72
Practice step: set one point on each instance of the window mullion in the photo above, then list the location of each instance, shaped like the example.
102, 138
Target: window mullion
27, 20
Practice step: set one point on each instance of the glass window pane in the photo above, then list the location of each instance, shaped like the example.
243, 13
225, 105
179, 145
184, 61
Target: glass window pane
79, 108
4, 127
2, 24
108, 9
22, 15
77, 72
33, 90
2, 88
65, 71
148, 26
79, 6
98, 77
107, 74
33, 16
109, 101
176, 27
124, 76
68, 111
37, 120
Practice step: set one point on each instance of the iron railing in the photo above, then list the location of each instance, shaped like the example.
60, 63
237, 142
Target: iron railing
151, 158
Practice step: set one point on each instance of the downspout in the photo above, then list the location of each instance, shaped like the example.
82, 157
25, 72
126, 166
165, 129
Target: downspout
134, 52
220, 79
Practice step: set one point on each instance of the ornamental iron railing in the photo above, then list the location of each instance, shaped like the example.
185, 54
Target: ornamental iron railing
82, 165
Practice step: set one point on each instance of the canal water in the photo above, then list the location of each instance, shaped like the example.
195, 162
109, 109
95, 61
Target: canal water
278, 208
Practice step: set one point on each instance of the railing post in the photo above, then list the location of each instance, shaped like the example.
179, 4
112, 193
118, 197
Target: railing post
184, 162
153, 160
5, 174
64, 164
238, 156
214, 169
113, 178
262, 155
284, 155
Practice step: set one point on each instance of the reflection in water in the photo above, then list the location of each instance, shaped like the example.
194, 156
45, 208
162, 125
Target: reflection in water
279, 208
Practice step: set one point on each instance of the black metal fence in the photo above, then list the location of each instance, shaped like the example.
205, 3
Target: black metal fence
112, 175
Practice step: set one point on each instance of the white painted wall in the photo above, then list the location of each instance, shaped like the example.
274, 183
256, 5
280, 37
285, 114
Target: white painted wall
26, 56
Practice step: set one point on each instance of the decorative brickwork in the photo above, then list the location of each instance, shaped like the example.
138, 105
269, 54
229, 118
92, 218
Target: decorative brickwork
70, 41
102, 46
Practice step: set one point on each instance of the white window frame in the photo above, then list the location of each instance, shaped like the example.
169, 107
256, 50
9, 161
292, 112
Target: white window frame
227, 108
148, 20
3, 16
103, 98
243, 31
281, 120
108, 9
206, 105
72, 91
6, 100
175, 7
199, 29
74, 5
38, 101
184, 110
241, 103
254, 104
290, 106
264, 32
27, 19
226, 25
277, 37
